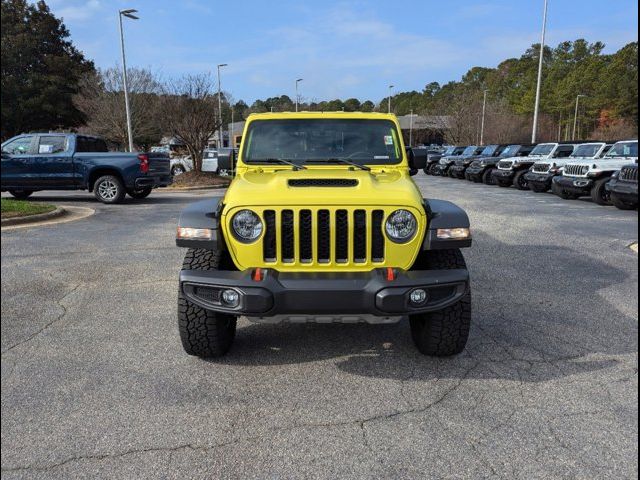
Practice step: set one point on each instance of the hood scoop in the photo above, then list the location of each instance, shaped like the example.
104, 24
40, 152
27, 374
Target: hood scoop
323, 182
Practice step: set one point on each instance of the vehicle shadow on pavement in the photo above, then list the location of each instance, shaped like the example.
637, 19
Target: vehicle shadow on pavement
530, 324
174, 199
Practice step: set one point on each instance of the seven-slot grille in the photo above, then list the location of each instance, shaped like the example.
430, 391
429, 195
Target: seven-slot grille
323, 236
505, 164
541, 167
576, 170
629, 174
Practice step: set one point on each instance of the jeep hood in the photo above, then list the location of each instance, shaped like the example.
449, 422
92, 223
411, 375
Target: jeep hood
388, 187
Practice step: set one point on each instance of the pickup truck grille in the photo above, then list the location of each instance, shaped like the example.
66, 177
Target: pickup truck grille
505, 164
323, 236
629, 174
576, 170
541, 167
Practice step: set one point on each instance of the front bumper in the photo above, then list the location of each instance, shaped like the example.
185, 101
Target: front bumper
441, 169
349, 293
457, 170
626, 191
540, 178
153, 181
503, 176
577, 185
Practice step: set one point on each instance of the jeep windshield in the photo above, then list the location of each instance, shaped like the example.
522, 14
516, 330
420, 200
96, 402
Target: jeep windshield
542, 150
588, 150
300, 141
489, 150
510, 151
623, 149
469, 151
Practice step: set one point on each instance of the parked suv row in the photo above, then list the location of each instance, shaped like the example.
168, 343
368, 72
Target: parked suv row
605, 171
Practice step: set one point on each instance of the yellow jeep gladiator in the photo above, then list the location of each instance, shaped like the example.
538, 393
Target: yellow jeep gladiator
323, 223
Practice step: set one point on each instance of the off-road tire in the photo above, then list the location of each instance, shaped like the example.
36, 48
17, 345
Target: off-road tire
445, 332
487, 177
116, 189
204, 333
21, 194
139, 194
599, 193
621, 204
562, 193
519, 181
538, 188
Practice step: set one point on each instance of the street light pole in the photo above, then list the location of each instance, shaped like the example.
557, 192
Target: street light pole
129, 13
297, 96
575, 117
484, 110
389, 99
534, 133
220, 139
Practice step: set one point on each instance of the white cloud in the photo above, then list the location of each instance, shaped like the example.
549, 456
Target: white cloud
74, 11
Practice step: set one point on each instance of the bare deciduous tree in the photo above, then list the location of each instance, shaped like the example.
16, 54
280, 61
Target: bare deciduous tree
190, 111
101, 99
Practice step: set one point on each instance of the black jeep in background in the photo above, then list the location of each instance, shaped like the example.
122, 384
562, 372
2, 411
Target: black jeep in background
459, 167
480, 170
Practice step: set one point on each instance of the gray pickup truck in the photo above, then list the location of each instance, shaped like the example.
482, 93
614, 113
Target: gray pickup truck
66, 161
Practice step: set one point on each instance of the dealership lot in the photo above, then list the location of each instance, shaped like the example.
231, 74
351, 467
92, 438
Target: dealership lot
95, 382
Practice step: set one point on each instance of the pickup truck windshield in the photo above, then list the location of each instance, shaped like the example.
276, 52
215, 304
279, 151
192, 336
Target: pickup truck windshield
587, 150
627, 149
373, 142
542, 150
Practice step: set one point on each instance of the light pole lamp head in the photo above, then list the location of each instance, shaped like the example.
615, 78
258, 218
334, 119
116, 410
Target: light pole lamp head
129, 13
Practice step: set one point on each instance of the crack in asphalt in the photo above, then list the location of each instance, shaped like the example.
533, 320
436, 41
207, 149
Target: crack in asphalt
46, 325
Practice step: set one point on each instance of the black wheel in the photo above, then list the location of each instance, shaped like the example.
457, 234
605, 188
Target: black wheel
109, 189
519, 181
599, 192
487, 177
204, 333
621, 204
445, 332
562, 193
535, 187
139, 194
21, 194
177, 170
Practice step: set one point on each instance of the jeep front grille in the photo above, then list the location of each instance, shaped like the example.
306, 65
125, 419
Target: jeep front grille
505, 164
576, 170
342, 236
323, 182
541, 167
629, 174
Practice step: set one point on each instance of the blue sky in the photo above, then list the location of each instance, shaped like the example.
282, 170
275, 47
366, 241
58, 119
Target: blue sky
342, 48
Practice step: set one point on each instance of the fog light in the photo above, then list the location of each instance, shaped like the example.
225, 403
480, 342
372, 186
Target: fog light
453, 233
230, 298
418, 296
188, 233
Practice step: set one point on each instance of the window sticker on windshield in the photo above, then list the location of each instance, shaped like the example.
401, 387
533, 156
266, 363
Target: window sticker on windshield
45, 149
381, 157
388, 140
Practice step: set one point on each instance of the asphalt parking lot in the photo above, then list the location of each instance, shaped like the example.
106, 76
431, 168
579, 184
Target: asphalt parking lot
95, 382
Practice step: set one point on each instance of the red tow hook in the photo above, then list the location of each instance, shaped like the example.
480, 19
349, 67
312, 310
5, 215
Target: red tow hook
258, 275
391, 275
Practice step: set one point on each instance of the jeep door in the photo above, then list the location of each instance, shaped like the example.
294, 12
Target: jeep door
17, 162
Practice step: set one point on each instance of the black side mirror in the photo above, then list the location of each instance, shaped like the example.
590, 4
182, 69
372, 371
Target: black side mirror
417, 158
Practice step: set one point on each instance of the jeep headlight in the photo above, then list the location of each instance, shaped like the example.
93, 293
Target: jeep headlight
401, 226
246, 226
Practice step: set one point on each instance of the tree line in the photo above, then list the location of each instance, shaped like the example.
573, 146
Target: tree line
48, 84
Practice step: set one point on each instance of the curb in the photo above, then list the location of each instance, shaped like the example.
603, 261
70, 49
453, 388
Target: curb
39, 217
188, 189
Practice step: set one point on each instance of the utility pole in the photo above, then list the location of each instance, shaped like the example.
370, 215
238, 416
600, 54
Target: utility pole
220, 139
389, 99
484, 110
129, 13
575, 117
297, 96
411, 129
536, 109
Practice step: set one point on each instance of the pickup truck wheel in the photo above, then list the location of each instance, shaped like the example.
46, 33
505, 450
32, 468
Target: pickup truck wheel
621, 204
139, 194
177, 170
204, 333
520, 182
599, 193
445, 332
487, 177
21, 194
109, 189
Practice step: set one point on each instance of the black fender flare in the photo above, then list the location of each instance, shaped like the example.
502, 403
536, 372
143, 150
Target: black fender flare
203, 214
444, 214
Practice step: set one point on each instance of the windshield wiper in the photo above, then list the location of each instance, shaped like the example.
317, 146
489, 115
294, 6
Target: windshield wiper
340, 160
282, 161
